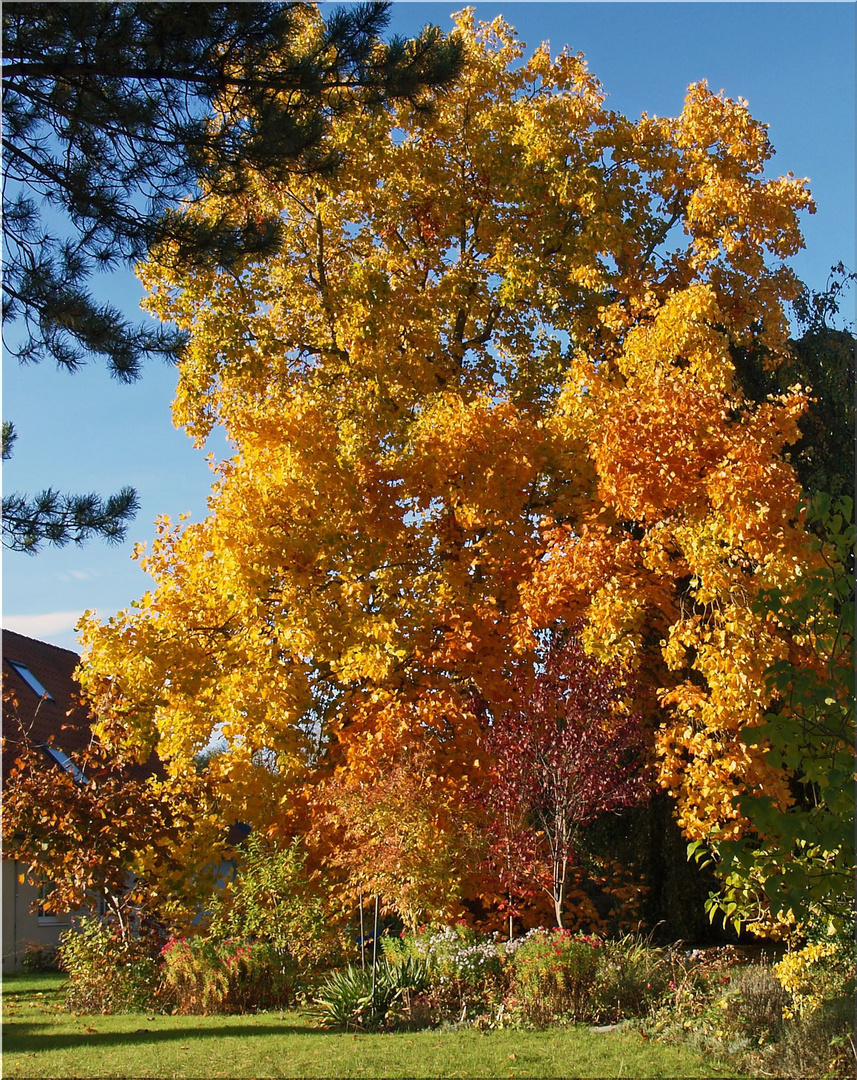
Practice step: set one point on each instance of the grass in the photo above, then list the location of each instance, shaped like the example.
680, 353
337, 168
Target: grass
41, 1039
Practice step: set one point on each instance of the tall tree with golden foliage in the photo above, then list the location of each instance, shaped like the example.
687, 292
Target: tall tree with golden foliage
487, 386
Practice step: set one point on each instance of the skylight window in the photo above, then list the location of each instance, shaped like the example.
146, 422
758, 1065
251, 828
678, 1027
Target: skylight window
31, 680
64, 761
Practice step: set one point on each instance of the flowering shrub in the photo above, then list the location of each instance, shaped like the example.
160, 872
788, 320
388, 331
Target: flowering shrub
107, 973
542, 977
453, 953
465, 971
204, 975
554, 975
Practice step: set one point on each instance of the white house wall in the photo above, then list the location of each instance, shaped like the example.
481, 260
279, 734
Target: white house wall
23, 927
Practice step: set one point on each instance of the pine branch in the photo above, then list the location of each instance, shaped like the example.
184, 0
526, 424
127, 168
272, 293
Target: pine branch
53, 518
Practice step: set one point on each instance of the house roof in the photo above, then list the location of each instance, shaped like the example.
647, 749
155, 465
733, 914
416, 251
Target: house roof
56, 716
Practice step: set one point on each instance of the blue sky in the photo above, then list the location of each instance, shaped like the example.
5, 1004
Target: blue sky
793, 62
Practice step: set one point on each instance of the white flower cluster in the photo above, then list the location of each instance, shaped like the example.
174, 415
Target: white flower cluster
511, 947
455, 953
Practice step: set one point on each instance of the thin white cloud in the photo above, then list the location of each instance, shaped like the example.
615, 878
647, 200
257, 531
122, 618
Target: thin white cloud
75, 575
43, 627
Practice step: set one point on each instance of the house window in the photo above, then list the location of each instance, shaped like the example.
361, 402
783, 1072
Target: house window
64, 761
31, 680
49, 918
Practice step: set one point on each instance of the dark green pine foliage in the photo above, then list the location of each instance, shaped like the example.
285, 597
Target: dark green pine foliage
59, 519
107, 123
54, 518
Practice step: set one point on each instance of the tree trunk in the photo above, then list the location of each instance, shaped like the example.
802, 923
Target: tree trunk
560, 872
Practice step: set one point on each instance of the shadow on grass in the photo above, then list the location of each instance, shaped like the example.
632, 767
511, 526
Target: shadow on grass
34, 994
28, 1042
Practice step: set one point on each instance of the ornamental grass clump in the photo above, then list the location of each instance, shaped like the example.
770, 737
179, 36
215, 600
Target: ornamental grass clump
345, 999
204, 975
821, 1043
756, 1003
554, 976
633, 977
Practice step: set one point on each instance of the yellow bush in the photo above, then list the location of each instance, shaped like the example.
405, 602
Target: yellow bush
815, 974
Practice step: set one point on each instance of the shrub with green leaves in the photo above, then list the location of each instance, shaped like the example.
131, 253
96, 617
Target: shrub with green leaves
802, 869
204, 975
107, 972
272, 900
40, 957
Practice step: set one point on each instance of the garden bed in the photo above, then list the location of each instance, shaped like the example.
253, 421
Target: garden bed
443, 1002
41, 1039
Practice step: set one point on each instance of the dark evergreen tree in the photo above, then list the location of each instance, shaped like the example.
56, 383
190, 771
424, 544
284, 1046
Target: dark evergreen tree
112, 113
823, 359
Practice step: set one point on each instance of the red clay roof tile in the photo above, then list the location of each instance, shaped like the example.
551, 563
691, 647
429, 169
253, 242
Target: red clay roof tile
63, 719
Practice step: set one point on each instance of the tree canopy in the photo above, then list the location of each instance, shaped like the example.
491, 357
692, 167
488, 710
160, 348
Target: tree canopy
100, 830
489, 386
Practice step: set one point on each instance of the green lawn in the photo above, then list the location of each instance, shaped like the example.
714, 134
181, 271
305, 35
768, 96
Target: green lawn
40, 1039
